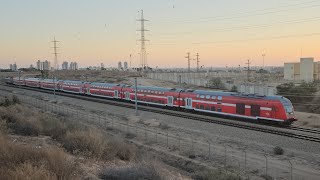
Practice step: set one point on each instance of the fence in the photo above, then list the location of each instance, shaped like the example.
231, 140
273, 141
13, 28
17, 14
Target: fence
208, 151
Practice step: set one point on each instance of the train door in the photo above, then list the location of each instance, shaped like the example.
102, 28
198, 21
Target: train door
188, 103
116, 93
241, 108
127, 94
255, 110
170, 101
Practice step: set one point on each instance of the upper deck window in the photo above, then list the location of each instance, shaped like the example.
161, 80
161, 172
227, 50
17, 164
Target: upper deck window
219, 98
208, 97
213, 97
202, 96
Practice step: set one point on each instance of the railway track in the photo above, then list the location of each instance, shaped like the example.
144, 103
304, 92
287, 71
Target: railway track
293, 131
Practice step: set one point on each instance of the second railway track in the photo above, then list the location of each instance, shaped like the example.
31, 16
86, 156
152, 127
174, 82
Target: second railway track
293, 131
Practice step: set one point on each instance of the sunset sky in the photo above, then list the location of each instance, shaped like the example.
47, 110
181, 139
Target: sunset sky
224, 33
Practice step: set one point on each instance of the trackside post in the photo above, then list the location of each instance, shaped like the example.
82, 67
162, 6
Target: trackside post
136, 96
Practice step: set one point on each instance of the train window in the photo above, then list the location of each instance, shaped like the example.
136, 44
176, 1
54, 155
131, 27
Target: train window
197, 106
219, 110
208, 108
213, 97
208, 97
201, 106
197, 95
152, 91
202, 96
148, 91
213, 108
219, 98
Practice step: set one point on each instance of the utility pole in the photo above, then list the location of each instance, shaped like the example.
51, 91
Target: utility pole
56, 64
136, 95
188, 58
248, 70
54, 86
143, 54
130, 61
198, 60
263, 55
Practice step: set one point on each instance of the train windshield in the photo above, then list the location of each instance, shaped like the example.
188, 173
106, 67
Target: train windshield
287, 105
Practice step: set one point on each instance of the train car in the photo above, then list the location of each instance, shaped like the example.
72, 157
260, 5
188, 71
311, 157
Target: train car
49, 84
157, 96
32, 82
266, 108
72, 86
105, 90
19, 81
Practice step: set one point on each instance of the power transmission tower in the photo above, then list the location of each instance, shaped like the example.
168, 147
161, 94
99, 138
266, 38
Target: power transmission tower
188, 58
143, 54
56, 64
198, 60
248, 70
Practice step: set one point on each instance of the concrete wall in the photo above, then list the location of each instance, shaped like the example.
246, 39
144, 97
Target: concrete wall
202, 79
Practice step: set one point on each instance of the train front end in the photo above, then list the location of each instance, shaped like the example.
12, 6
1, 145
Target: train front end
289, 111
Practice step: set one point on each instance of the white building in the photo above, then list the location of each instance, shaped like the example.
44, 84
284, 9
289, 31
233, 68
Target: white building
305, 70
65, 65
13, 67
45, 65
73, 66
125, 65
119, 65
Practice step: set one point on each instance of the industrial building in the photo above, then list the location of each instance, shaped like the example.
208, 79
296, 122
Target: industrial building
125, 65
306, 70
119, 65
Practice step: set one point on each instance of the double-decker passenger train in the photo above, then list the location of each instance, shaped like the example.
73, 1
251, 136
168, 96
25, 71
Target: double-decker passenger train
238, 105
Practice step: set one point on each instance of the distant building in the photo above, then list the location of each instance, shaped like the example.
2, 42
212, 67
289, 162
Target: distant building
102, 66
119, 65
73, 66
13, 67
44, 65
65, 65
125, 65
305, 70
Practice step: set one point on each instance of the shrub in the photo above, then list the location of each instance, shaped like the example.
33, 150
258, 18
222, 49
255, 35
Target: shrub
28, 171
118, 148
278, 150
135, 172
15, 99
88, 142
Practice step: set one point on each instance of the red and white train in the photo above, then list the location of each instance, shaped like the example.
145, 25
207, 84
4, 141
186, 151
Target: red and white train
245, 106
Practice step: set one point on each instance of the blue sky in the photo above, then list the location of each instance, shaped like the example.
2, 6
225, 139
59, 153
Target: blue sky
225, 33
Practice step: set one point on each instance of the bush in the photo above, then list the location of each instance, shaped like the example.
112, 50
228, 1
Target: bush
234, 89
88, 142
216, 83
278, 150
119, 148
135, 172
15, 99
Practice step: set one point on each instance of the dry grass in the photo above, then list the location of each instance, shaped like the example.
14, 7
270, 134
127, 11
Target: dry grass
118, 148
27, 162
89, 143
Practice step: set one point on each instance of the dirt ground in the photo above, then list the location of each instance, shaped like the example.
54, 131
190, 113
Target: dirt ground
307, 119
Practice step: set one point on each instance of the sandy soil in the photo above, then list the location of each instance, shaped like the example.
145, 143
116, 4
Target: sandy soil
307, 119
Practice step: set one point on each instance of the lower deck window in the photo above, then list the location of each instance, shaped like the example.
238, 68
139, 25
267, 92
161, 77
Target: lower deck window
201, 106
219, 110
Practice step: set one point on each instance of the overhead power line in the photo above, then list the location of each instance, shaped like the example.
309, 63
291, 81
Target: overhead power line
246, 14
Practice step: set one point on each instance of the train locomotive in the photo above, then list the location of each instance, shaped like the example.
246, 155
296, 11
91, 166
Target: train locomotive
273, 109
